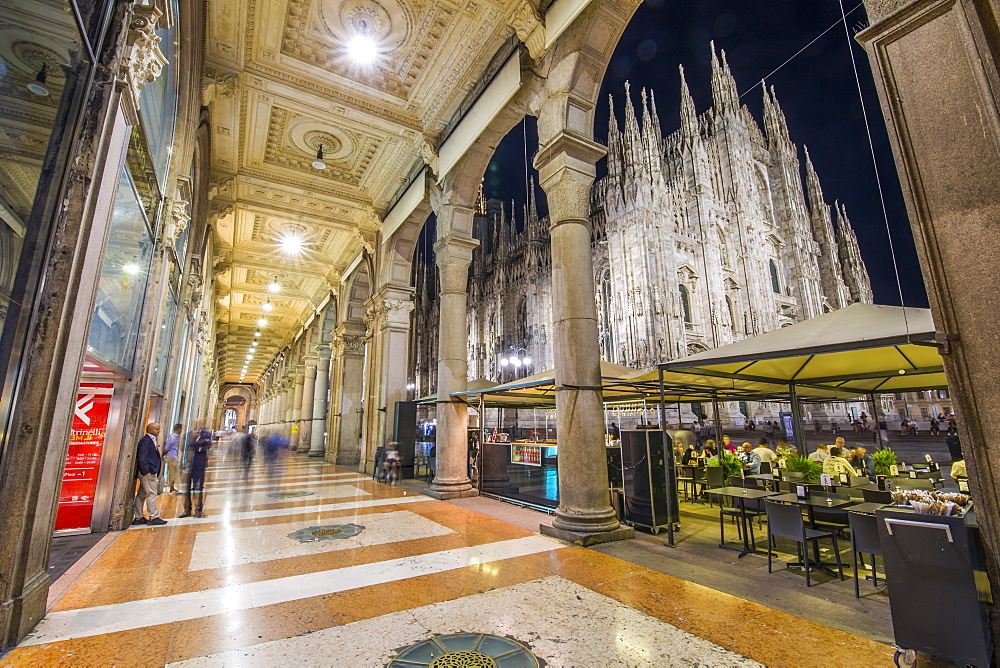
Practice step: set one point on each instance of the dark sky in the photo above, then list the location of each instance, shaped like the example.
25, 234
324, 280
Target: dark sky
816, 90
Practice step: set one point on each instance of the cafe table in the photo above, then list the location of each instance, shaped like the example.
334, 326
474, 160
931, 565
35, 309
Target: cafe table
814, 500
866, 508
742, 494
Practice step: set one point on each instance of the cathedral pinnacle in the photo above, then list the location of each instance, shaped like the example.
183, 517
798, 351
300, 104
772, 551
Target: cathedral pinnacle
724, 94
689, 117
814, 191
774, 119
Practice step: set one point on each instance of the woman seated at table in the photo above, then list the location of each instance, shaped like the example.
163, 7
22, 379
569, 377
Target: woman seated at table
835, 464
709, 452
689, 457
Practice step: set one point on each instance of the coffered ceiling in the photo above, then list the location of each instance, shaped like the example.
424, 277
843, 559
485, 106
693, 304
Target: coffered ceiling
279, 84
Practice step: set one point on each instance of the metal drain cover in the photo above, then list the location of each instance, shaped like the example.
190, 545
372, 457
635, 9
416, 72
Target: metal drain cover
328, 532
466, 650
288, 495
463, 659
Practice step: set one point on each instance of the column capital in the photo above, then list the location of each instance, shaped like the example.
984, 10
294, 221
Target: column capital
568, 151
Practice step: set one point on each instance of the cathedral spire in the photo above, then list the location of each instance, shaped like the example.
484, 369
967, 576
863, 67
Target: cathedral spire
814, 191
633, 140
724, 94
774, 120
532, 206
650, 127
689, 117
855, 274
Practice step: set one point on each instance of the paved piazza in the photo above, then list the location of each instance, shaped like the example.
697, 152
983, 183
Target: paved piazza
236, 588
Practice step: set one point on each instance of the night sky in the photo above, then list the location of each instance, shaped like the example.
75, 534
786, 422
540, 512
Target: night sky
816, 90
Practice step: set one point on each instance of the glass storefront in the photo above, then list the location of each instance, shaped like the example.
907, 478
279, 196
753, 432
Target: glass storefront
43, 68
124, 275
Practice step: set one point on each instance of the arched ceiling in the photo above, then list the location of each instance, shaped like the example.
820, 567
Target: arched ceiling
279, 83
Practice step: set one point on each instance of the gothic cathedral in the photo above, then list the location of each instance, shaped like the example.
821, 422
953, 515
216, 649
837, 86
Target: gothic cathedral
701, 238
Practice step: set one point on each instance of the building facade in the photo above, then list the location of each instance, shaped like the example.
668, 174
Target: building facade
702, 237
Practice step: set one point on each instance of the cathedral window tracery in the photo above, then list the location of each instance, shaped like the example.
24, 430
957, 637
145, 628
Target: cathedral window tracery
775, 283
686, 304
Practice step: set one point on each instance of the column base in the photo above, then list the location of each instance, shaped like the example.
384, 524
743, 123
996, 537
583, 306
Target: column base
316, 453
586, 539
454, 491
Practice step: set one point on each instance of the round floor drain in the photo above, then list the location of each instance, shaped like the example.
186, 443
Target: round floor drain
463, 659
288, 495
327, 532
466, 650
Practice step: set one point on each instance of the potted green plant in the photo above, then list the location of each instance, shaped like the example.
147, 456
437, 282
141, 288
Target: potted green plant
810, 470
884, 458
731, 465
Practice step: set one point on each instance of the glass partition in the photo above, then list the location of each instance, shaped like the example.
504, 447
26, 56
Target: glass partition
124, 276
162, 362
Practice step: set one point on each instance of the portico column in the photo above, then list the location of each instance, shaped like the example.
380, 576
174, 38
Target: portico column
317, 443
349, 374
936, 65
306, 405
295, 414
454, 254
284, 419
566, 171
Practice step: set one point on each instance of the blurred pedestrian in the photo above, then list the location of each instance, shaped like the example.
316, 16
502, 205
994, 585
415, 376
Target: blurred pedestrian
198, 463
170, 459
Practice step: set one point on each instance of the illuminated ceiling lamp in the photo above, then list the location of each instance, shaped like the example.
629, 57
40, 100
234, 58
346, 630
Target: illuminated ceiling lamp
292, 244
274, 287
261, 323
318, 162
268, 306
361, 49
38, 85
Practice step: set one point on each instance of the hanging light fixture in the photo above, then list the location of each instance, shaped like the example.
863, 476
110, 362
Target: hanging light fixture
38, 85
318, 162
268, 306
261, 323
274, 287
257, 333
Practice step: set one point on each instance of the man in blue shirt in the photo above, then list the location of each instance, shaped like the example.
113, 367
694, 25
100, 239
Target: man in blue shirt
170, 459
750, 459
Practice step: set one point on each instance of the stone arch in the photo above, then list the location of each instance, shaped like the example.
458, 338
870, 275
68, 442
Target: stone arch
573, 69
356, 293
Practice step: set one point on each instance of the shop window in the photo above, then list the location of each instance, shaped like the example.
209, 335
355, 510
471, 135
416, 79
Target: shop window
775, 283
685, 304
124, 276
163, 346
158, 104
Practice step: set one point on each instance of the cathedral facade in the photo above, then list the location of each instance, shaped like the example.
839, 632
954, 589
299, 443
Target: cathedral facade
702, 237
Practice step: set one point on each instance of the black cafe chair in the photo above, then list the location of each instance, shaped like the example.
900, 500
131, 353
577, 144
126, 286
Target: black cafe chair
876, 496
715, 477
785, 520
832, 518
864, 540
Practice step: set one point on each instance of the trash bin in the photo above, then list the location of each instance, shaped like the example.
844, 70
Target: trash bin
936, 604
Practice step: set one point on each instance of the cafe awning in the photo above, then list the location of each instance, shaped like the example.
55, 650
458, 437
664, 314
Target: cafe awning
539, 389
860, 349
474, 387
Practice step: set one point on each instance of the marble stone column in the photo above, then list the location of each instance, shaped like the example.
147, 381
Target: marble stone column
317, 442
306, 405
350, 374
295, 414
454, 255
393, 352
566, 172
284, 401
936, 70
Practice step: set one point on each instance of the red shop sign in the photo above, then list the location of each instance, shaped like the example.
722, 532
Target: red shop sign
83, 459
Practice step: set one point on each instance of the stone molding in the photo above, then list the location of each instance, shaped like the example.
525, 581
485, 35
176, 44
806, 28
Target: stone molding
349, 343
145, 61
180, 217
879, 9
530, 29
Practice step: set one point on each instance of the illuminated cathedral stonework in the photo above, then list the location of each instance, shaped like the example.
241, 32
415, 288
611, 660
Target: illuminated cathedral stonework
701, 238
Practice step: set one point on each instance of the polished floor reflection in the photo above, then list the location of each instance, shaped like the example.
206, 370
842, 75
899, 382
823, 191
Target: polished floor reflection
265, 580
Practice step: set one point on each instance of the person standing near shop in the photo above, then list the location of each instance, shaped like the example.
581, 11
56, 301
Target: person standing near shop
170, 459
196, 478
148, 456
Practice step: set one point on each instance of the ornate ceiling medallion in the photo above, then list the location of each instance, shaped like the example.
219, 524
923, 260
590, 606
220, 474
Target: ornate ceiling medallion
385, 22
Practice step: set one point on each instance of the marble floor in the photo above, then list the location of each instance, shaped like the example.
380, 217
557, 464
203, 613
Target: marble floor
353, 572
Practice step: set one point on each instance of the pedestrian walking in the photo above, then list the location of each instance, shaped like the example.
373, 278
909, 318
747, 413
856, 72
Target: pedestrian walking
148, 456
198, 452
173, 464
